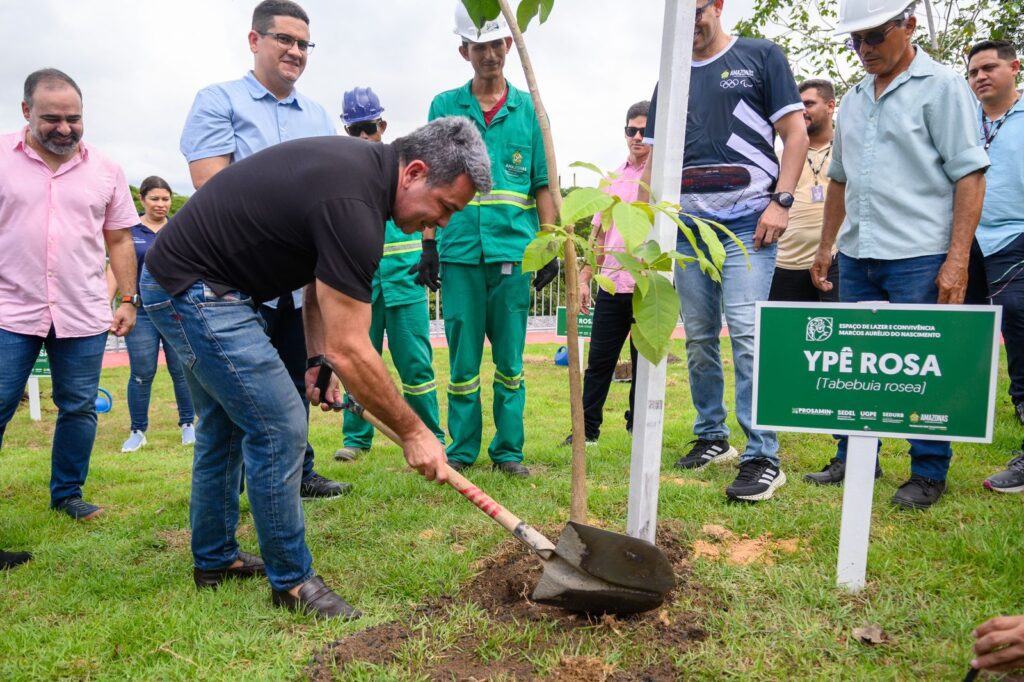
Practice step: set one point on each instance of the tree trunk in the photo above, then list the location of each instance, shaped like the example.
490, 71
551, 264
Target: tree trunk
578, 504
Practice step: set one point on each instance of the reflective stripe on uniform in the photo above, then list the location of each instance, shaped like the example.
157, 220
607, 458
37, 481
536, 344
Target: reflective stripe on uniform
465, 387
501, 197
511, 383
395, 248
421, 389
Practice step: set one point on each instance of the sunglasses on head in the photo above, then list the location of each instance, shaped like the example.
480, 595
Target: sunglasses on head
357, 129
631, 131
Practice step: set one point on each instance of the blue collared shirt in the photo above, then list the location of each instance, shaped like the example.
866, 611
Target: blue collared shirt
900, 157
1002, 218
240, 118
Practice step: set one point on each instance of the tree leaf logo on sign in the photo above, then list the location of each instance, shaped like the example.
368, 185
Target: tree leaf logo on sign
819, 328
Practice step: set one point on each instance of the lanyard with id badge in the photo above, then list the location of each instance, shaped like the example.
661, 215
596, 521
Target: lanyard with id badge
818, 190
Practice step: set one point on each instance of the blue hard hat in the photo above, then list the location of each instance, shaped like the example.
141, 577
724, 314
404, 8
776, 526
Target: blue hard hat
360, 104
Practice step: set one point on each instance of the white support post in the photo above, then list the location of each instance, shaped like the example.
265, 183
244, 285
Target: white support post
34, 407
581, 342
854, 532
666, 174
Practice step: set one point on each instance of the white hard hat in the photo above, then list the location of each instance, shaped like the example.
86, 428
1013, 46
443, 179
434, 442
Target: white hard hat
491, 30
859, 15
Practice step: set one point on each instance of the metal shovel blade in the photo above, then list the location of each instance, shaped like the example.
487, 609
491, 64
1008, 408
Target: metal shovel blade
598, 571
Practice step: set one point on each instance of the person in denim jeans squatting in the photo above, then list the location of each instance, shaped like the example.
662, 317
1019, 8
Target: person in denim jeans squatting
307, 213
62, 204
144, 342
906, 185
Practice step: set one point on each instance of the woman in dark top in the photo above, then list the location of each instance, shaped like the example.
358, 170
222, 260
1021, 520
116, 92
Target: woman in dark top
144, 341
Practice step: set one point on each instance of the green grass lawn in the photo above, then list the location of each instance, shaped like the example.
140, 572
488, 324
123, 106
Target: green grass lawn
113, 598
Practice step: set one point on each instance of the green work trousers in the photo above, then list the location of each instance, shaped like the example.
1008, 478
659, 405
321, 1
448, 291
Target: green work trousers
408, 329
492, 300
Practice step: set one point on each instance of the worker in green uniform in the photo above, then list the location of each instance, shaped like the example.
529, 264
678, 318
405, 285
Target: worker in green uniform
399, 304
484, 291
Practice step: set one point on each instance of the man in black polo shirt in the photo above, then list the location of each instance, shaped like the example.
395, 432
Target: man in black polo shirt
304, 213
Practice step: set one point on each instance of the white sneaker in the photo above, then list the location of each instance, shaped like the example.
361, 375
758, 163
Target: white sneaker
188, 434
134, 442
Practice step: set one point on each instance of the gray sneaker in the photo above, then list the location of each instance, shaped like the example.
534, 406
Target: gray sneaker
347, 454
1011, 480
135, 441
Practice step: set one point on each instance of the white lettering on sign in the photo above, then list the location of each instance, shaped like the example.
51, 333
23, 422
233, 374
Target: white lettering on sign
889, 363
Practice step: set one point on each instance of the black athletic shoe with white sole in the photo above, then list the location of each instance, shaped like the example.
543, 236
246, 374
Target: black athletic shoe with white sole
705, 452
758, 480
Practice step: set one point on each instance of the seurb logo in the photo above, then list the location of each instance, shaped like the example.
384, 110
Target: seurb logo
819, 328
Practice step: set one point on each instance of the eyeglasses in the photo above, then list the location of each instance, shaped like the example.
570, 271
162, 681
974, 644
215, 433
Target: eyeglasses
286, 41
872, 38
360, 127
700, 10
631, 131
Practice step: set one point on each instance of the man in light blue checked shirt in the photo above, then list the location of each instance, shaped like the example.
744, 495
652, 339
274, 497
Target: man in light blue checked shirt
906, 188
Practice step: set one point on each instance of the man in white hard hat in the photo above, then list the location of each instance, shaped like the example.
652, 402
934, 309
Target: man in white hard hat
905, 193
484, 289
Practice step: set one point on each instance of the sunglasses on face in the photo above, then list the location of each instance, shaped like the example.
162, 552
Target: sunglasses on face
631, 131
872, 38
357, 129
286, 41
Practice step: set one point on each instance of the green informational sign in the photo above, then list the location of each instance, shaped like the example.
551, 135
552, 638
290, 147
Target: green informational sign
42, 366
918, 371
584, 323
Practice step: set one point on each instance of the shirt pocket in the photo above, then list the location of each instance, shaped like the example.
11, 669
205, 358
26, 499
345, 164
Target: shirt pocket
517, 164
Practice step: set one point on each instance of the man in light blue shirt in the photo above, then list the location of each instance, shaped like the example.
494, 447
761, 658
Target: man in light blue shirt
992, 71
230, 121
906, 186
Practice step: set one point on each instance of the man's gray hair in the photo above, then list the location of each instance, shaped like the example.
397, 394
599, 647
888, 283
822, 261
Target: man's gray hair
48, 77
450, 147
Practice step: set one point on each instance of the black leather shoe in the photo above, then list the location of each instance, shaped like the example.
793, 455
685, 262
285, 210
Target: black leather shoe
918, 493
252, 566
12, 559
317, 487
317, 599
835, 472
512, 469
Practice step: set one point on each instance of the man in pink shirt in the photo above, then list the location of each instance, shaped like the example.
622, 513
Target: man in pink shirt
61, 203
613, 314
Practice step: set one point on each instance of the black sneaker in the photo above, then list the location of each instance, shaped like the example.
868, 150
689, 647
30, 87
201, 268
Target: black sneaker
705, 452
758, 479
591, 440
1019, 409
318, 487
1012, 479
515, 469
12, 559
918, 493
834, 473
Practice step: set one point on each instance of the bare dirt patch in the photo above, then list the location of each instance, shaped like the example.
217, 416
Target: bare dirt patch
501, 590
719, 542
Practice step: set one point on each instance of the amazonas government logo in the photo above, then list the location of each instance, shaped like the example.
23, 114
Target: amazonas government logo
819, 328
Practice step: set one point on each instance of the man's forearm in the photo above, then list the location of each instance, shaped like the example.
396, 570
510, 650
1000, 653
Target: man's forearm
794, 151
968, 197
545, 206
123, 264
835, 213
312, 321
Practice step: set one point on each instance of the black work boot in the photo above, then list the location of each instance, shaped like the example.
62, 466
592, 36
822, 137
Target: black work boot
919, 493
835, 472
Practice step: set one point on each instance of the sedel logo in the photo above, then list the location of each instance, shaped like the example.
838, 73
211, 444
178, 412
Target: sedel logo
819, 328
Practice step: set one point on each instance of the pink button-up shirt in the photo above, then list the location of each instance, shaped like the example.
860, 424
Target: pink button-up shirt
626, 188
52, 253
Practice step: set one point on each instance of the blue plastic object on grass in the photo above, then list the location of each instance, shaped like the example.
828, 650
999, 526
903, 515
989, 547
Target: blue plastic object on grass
562, 356
104, 401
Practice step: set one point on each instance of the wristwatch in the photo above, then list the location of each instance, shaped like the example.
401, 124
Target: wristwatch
133, 299
783, 199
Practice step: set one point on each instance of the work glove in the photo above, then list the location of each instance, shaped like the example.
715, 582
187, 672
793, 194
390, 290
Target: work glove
546, 275
428, 270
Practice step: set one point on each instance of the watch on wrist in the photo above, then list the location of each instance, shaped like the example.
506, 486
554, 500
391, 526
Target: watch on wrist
315, 361
783, 199
133, 299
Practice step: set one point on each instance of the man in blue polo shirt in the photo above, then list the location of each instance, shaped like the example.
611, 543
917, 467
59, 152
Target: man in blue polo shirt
233, 120
992, 72
742, 92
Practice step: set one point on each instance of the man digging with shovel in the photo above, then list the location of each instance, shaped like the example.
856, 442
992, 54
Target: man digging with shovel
303, 213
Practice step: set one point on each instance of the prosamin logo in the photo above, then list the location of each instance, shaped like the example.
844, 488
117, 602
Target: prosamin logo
819, 328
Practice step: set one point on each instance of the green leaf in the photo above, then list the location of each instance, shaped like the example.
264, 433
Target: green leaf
588, 166
643, 346
582, 202
643, 282
706, 266
632, 224
527, 10
545, 9
541, 250
482, 10
648, 252
656, 312
715, 248
605, 283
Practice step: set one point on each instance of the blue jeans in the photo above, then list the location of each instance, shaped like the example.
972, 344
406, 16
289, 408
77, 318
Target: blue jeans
905, 280
250, 413
702, 302
75, 366
143, 350
1006, 287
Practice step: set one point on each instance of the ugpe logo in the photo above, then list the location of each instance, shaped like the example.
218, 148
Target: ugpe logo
819, 328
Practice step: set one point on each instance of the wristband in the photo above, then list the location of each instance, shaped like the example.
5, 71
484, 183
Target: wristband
315, 361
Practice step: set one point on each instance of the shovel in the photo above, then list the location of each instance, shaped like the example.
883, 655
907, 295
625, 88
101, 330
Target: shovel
590, 570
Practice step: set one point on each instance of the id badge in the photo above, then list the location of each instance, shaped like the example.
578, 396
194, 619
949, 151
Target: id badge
506, 268
817, 194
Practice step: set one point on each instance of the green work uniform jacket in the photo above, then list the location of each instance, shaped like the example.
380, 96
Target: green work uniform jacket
393, 281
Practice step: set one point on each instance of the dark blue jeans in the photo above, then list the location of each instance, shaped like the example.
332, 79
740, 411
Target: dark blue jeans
1005, 273
906, 280
613, 316
75, 366
144, 343
250, 413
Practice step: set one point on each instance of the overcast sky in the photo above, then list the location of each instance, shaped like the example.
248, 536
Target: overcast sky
140, 62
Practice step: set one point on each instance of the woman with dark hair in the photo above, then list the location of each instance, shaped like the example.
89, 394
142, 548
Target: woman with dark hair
144, 341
